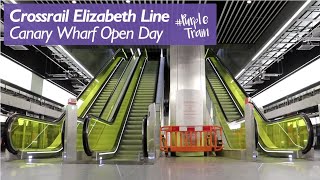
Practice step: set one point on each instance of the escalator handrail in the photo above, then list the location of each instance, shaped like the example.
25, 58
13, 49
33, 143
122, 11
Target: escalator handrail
8, 128
309, 127
159, 95
85, 130
119, 101
128, 112
106, 65
114, 57
11, 119
227, 89
245, 93
114, 89
144, 136
237, 83
123, 91
305, 117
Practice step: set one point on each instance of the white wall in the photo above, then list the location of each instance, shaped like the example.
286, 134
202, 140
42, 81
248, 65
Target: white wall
14, 73
304, 77
54, 92
18, 75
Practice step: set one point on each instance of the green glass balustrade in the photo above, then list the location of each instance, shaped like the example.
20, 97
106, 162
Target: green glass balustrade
235, 136
27, 134
291, 133
104, 137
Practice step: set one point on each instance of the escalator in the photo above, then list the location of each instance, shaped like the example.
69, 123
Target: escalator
27, 136
229, 107
121, 139
131, 143
289, 136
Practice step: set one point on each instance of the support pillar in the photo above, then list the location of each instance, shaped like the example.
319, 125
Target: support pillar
317, 136
187, 88
187, 85
36, 84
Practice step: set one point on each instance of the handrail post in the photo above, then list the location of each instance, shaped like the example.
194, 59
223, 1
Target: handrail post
70, 140
251, 152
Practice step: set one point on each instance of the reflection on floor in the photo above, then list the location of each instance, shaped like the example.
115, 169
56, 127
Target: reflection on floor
167, 169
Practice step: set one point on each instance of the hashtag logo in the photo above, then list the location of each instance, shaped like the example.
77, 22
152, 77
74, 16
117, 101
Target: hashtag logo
178, 22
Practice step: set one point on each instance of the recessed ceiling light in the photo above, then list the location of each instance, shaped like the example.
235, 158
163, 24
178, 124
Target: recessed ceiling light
128, 1
249, 2
74, 2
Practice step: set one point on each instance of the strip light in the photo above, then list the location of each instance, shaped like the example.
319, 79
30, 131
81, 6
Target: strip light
77, 62
282, 29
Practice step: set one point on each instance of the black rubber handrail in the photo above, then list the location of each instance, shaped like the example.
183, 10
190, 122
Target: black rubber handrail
114, 89
306, 118
111, 120
13, 117
132, 100
144, 136
85, 130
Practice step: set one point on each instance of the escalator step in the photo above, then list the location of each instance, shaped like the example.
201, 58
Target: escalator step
131, 142
134, 127
131, 147
133, 137
133, 132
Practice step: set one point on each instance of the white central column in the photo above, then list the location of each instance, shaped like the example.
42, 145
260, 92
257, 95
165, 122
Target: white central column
187, 85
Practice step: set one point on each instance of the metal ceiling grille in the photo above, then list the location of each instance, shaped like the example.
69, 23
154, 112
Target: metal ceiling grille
301, 29
243, 23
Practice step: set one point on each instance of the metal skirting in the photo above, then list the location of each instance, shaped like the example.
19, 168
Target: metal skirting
233, 153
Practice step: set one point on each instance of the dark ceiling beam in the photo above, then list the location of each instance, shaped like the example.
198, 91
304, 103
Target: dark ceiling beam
291, 62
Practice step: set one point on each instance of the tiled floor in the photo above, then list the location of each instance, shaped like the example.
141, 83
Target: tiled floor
213, 168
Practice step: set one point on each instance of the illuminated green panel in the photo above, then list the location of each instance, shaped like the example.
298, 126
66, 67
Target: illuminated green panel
31, 134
